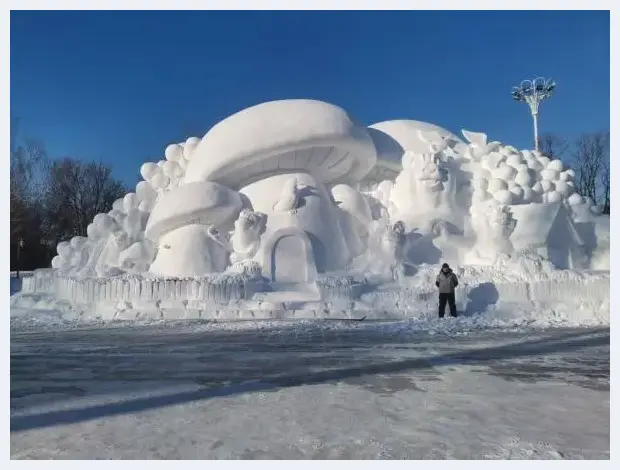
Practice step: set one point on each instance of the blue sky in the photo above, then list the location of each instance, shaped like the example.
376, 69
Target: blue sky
120, 86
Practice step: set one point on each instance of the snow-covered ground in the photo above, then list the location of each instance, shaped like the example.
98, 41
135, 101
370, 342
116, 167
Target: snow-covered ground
309, 389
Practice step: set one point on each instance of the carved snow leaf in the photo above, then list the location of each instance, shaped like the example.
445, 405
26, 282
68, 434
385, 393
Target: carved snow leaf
478, 139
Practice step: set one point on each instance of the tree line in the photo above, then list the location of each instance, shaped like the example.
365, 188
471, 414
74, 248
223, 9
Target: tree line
52, 200
588, 155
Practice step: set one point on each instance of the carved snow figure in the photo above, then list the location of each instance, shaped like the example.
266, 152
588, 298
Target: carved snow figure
245, 240
393, 246
492, 224
288, 197
425, 189
394, 240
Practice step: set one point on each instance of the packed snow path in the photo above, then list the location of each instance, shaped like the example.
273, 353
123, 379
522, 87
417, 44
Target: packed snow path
309, 390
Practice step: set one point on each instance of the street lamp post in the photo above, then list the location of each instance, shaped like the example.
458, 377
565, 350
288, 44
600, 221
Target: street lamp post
20, 245
533, 92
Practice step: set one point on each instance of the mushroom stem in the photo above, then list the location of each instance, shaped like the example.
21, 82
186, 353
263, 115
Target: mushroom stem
189, 251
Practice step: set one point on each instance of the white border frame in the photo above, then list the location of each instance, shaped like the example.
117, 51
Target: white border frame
308, 5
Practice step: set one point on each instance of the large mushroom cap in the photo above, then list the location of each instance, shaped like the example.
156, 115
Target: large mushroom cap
283, 136
393, 138
195, 203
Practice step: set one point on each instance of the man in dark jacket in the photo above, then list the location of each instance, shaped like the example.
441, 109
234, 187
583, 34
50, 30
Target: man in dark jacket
446, 282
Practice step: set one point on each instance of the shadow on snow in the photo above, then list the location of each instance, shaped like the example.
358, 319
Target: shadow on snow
264, 364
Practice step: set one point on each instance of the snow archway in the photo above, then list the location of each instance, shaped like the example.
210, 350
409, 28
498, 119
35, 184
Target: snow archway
289, 258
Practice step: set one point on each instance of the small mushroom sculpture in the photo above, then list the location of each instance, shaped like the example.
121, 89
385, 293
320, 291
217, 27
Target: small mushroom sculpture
181, 225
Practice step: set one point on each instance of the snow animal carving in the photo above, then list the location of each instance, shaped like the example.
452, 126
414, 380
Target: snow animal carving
246, 237
289, 199
492, 223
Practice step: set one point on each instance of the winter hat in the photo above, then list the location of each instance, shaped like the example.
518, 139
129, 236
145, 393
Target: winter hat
445, 265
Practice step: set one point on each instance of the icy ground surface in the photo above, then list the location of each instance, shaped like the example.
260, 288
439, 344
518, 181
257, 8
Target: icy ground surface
309, 390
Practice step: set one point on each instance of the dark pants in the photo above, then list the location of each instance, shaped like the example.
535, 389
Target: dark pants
447, 298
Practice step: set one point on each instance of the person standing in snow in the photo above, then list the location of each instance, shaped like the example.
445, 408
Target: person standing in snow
446, 282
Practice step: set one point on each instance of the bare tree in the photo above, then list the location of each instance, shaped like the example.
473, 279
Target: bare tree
605, 180
28, 165
28, 168
591, 164
553, 145
76, 192
19, 216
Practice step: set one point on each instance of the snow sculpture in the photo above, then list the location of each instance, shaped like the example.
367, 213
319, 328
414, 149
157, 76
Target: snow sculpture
185, 225
393, 138
512, 177
281, 137
354, 216
492, 224
70, 254
272, 192
108, 250
479, 174
245, 239
393, 241
289, 197
290, 152
386, 253
116, 241
425, 189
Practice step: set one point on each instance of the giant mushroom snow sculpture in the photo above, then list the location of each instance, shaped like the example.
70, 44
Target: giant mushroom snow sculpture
281, 156
269, 199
